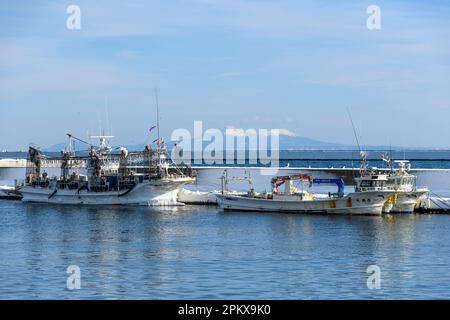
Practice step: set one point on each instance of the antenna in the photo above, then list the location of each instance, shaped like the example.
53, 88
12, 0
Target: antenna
390, 149
99, 123
157, 116
108, 123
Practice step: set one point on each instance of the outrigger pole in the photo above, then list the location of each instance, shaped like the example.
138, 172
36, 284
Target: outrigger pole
73, 137
88, 143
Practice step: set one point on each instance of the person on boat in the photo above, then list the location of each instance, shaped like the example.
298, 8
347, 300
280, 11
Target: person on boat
149, 150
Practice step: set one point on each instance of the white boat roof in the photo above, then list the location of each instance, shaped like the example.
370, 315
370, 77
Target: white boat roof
374, 177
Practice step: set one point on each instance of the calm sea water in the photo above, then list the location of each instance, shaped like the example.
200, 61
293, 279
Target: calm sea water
197, 252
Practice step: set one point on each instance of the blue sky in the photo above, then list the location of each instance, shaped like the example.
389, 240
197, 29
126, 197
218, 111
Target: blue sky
295, 65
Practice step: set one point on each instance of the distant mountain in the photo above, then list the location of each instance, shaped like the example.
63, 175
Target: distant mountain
55, 148
82, 147
296, 143
305, 143
285, 143
62, 146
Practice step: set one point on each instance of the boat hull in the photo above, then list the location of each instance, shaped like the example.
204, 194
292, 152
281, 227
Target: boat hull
407, 202
151, 193
197, 197
9, 193
367, 203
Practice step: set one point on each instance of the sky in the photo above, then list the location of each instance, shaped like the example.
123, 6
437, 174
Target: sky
293, 65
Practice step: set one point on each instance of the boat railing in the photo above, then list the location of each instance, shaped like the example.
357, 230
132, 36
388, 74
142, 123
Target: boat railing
70, 185
42, 183
99, 187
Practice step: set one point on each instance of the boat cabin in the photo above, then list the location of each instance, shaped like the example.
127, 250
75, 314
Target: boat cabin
289, 183
371, 183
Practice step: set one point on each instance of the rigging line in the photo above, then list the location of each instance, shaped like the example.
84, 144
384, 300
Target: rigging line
354, 129
108, 122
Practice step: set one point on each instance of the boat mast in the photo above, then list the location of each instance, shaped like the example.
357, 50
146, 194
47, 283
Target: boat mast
362, 154
157, 118
354, 130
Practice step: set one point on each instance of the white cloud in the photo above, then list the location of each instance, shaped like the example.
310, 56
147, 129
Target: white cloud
286, 132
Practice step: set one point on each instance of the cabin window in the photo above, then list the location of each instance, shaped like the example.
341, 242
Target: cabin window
373, 184
378, 183
365, 183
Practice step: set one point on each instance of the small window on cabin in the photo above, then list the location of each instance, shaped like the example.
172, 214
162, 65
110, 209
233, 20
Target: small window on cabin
365, 183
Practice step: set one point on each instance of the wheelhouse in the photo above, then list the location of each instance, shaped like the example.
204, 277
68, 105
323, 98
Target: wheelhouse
371, 183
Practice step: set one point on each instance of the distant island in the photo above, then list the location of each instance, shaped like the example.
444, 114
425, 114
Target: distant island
286, 143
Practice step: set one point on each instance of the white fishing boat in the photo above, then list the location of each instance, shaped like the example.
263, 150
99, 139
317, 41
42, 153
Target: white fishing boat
374, 182
104, 178
407, 194
293, 200
405, 197
371, 180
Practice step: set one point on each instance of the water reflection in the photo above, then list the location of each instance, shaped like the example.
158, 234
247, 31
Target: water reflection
200, 252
